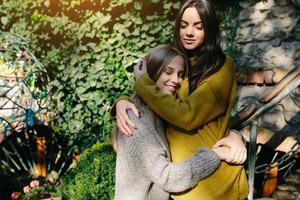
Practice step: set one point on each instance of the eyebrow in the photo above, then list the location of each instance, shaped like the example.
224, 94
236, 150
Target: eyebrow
169, 67
196, 23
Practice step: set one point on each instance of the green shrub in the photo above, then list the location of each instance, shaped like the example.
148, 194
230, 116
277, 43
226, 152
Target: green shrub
93, 177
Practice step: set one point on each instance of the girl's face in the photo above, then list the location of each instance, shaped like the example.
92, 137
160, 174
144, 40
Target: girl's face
191, 30
170, 79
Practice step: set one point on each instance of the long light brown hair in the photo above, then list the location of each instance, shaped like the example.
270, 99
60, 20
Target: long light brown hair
158, 59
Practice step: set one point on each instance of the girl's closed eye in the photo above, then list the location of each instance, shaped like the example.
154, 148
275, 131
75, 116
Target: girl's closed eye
181, 75
168, 71
199, 27
183, 25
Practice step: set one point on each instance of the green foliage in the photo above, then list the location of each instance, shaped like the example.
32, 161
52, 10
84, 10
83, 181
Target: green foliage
89, 48
296, 3
93, 177
228, 13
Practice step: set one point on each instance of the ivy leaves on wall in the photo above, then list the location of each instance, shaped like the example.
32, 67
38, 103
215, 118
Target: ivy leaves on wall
89, 48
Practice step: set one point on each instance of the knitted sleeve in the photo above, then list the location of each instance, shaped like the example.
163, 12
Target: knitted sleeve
207, 102
151, 160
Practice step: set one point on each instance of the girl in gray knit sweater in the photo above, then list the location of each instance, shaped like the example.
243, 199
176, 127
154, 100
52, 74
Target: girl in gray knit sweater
144, 170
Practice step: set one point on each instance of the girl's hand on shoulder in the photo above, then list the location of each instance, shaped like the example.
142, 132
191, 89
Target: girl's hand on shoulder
238, 151
125, 125
140, 68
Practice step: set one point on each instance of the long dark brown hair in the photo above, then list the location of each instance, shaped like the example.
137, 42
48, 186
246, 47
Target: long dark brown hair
158, 59
210, 57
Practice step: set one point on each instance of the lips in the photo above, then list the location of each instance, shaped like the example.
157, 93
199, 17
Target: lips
189, 40
173, 88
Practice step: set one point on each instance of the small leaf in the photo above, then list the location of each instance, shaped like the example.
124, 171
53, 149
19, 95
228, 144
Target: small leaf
98, 66
138, 5
4, 20
80, 90
167, 6
154, 1
47, 3
176, 5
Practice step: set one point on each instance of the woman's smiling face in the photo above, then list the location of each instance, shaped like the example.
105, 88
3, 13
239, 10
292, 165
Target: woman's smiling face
171, 77
191, 29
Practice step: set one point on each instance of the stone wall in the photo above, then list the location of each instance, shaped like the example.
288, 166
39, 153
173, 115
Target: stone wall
269, 38
269, 34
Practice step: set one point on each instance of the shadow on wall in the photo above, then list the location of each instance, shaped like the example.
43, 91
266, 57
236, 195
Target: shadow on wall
269, 34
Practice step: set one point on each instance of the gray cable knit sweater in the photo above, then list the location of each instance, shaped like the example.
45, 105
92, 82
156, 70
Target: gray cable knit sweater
144, 170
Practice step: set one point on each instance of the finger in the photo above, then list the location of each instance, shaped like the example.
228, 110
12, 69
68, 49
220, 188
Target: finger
234, 154
237, 156
121, 129
145, 60
123, 132
137, 66
218, 143
242, 155
124, 128
229, 159
227, 154
134, 110
127, 121
140, 64
144, 64
118, 123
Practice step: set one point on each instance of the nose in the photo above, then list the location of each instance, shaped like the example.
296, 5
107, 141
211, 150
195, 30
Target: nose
175, 79
190, 31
